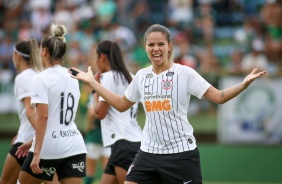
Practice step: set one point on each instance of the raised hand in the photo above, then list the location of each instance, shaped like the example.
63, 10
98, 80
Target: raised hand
83, 76
252, 76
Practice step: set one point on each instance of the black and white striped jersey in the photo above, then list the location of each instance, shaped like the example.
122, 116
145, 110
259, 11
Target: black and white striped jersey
165, 98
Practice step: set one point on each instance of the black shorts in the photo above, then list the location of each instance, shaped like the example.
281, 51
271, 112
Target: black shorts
13, 151
73, 166
179, 168
122, 155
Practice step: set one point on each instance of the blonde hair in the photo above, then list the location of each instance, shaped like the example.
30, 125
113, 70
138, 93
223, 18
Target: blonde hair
60, 31
29, 51
35, 59
55, 42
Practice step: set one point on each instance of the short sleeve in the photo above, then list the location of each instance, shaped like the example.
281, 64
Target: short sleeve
197, 85
107, 82
38, 92
23, 88
132, 93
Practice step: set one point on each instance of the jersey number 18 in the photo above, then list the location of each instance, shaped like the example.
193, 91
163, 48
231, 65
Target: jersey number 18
69, 109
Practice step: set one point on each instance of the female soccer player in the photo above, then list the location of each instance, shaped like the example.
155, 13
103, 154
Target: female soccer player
27, 63
120, 130
58, 145
168, 152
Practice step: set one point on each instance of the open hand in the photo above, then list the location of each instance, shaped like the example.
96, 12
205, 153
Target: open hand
253, 76
83, 76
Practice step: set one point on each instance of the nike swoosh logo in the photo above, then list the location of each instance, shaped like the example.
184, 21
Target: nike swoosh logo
186, 182
146, 86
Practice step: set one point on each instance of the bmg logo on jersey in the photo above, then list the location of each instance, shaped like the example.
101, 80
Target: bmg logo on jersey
158, 105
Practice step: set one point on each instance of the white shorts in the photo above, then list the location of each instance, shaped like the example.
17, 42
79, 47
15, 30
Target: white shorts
96, 151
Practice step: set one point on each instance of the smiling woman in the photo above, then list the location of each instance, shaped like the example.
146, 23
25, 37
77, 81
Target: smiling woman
168, 152
159, 49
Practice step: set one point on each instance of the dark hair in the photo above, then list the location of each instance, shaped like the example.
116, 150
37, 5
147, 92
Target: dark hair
29, 51
55, 42
163, 30
114, 54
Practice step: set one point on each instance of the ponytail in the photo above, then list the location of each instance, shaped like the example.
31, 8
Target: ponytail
35, 59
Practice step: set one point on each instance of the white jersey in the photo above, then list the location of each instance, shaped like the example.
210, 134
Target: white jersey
60, 92
165, 98
119, 125
22, 90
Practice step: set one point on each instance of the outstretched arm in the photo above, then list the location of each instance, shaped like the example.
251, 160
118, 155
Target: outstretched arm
121, 103
225, 95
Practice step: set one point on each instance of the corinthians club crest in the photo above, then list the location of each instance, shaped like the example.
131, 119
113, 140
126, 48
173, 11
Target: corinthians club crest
166, 84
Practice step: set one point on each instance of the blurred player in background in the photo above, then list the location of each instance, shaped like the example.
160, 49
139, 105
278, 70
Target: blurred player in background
58, 145
27, 62
120, 131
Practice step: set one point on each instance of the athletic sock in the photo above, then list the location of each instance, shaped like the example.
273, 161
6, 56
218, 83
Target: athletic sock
88, 180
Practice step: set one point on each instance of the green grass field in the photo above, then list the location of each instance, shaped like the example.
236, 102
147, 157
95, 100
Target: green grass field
221, 164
